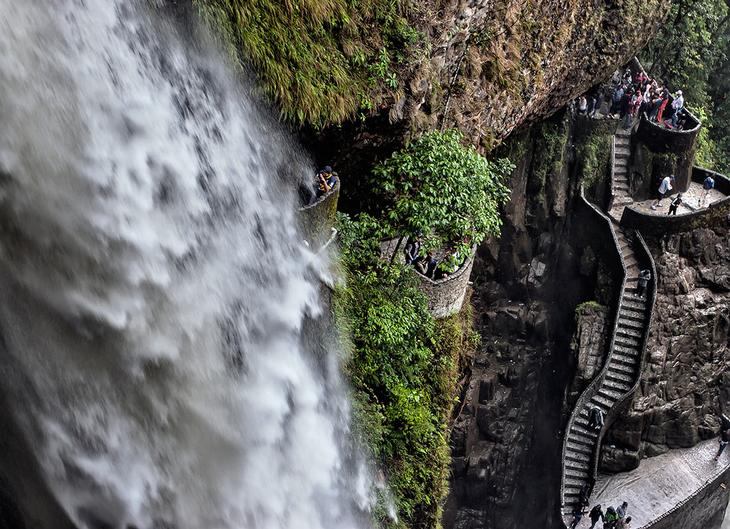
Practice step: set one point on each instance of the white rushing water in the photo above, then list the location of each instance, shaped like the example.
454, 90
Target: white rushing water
154, 285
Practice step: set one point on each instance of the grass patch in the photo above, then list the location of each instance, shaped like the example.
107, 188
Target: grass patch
319, 60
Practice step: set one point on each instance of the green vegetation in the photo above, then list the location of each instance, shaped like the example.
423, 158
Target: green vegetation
438, 187
691, 52
589, 306
403, 370
595, 156
320, 60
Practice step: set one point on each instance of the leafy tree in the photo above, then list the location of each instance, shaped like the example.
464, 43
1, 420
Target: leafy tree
691, 52
444, 190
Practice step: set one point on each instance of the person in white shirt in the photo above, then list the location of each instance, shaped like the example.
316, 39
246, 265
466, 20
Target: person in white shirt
664, 188
677, 105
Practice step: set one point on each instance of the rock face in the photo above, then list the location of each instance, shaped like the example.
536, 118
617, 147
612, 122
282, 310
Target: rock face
506, 440
488, 68
686, 381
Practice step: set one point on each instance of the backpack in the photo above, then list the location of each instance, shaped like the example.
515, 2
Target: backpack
709, 183
611, 515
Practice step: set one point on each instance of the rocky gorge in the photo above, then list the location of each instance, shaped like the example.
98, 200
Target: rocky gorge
454, 421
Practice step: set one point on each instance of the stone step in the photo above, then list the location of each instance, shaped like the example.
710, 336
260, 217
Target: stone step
625, 341
624, 322
633, 304
578, 474
618, 358
579, 438
627, 331
578, 448
574, 483
609, 393
619, 186
627, 313
603, 402
623, 369
626, 350
622, 151
584, 431
621, 386
578, 457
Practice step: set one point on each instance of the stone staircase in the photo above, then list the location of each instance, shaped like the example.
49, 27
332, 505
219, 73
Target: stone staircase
620, 182
616, 381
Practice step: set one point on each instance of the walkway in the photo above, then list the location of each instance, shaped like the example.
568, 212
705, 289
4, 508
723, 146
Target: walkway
621, 373
616, 381
659, 483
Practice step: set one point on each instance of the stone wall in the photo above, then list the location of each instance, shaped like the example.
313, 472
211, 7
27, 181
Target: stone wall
318, 219
681, 144
686, 378
703, 510
658, 225
446, 296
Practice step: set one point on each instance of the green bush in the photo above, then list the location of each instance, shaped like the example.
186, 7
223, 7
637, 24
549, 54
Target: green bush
403, 369
443, 189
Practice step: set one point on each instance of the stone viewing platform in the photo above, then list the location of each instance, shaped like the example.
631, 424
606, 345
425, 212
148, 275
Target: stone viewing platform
317, 219
682, 489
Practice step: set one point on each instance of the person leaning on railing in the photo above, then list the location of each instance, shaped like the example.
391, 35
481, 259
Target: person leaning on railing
326, 180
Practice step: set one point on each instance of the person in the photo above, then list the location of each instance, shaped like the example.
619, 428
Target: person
577, 516
624, 523
413, 250
621, 510
644, 278
674, 204
664, 188
618, 96
633, 110
677, 105
583, 494
428, 265
582, 105
326, 179
595, 515
662, 106
610, 518
724, 439
708, 185
595, 418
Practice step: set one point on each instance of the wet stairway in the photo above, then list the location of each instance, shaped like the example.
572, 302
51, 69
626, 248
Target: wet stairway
619, 376
620, 183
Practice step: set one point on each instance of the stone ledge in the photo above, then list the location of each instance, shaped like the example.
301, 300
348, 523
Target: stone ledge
446, 296
318, 218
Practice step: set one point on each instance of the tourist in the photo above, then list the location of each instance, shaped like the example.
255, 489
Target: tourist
724, 439
624, 523
633, 110
610, 518
708, 185
427, 266
584, 494
677, 105
595, 515
664, 188
621, 511
663, 106
644, 278
326, 180
618, 96
582, 105
577, 516
674, 204
595, 418
412, 251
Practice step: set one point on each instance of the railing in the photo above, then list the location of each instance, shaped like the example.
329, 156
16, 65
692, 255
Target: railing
595, 385
446, 296
647, 260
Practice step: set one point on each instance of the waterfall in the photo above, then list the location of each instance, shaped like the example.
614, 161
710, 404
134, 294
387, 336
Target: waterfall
154, 336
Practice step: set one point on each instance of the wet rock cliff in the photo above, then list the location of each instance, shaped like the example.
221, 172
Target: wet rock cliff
543, 280
686, 380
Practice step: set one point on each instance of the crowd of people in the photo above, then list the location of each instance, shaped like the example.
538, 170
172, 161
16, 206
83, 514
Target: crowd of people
611, 518
631, 94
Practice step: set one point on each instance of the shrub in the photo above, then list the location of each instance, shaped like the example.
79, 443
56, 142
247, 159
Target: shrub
438, 187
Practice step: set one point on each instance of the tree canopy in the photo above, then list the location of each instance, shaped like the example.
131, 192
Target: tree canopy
442, 189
